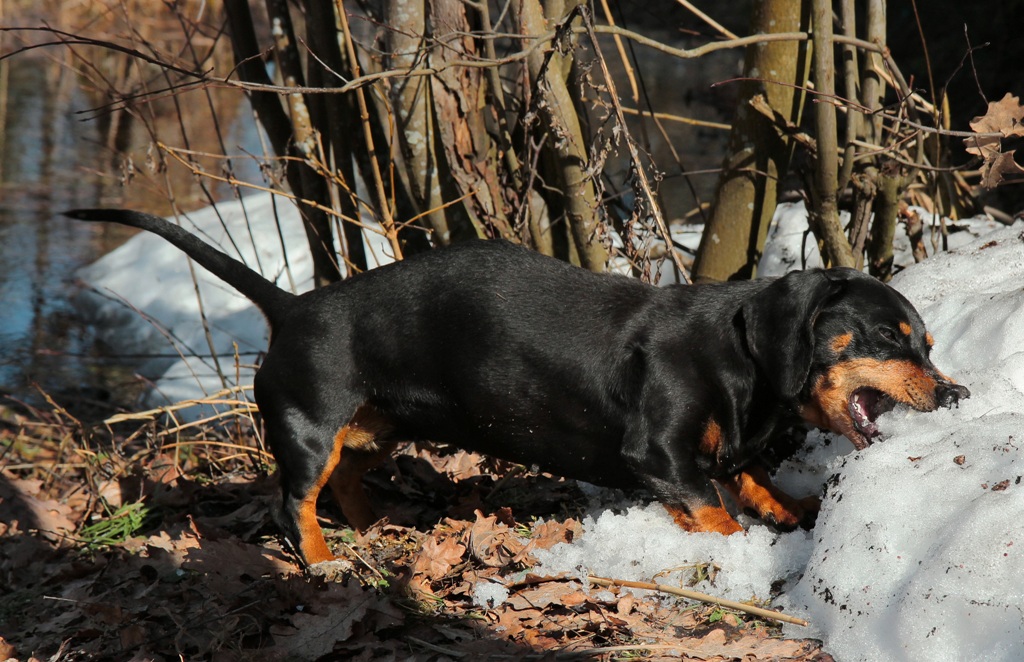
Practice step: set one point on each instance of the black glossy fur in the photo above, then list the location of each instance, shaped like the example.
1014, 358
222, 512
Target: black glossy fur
497, 349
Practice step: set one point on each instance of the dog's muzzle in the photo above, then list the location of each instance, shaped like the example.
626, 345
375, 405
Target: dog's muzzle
948, 394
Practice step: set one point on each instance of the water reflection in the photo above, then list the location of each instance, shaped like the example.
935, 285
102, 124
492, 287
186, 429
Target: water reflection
51, 160
41, 143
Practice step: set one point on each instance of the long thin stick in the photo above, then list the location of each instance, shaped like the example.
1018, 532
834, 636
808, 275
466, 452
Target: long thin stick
634, 156
387, 221
702, 597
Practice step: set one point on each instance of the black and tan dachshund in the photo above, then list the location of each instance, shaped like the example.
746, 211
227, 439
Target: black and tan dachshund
497, 349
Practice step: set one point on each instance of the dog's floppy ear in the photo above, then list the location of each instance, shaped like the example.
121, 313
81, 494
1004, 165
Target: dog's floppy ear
779, 325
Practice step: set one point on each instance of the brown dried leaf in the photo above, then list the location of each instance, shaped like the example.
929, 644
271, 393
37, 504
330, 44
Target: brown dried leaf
229, 560
1005, 116
542, 595
338, 612
548, 534
625, 604
436, 557
1000, 168
752, 646
18, 504
511, 622
537, 639
574, 599
493, 543
983, 146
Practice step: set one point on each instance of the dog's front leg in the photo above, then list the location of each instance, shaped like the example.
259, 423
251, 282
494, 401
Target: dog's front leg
670, 470
703, 518
753, 491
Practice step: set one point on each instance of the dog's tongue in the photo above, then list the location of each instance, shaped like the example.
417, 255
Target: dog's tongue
864, 410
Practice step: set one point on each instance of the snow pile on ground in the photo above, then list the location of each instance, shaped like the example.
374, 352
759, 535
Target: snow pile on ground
642, 543
790, 246
918, 552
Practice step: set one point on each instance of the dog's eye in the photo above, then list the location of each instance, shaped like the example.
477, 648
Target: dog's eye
889, 334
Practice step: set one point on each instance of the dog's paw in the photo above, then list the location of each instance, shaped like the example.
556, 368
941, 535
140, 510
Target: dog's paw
787, 513
332, 571
811, 505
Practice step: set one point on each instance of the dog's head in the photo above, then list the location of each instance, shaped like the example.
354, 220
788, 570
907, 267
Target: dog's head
843, 348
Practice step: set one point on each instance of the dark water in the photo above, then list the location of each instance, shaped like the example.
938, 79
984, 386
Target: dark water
41, 147
51, 160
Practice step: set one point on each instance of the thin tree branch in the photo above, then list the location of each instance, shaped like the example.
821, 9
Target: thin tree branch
701, 597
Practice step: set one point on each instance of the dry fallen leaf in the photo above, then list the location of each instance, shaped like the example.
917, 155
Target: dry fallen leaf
542, 595
548, 534
492, 543
1005, 117
338, 611
436, 557
756, 646
18, 504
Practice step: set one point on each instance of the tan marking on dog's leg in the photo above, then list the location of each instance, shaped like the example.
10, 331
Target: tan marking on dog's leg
365, 429
312, 545
704, 518
753, 489
347, 484
363, 450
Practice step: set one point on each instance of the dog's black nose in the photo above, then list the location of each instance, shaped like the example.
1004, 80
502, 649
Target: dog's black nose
948, 394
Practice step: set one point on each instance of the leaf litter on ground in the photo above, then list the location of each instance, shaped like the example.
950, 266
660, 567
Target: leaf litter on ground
190, 565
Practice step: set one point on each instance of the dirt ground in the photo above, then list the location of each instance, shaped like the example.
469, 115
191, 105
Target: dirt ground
140, 540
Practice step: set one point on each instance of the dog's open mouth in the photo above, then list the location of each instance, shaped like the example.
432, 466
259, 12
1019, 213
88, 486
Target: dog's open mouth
865, 406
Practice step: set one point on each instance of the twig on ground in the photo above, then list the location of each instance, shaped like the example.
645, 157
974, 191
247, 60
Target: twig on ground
702, 597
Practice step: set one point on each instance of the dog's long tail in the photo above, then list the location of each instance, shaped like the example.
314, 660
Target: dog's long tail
271, 299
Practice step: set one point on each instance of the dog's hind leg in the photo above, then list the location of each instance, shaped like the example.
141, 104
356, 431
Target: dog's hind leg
311, 455
364, 445
306, 458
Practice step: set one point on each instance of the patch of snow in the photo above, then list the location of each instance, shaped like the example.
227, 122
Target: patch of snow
918, 552
489, 594
644, 544
790, 246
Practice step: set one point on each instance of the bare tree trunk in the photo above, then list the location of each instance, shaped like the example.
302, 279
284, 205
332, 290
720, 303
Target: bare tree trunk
890, 182
886, 208
566, 140
461, 125
384, 210
746, 195
338, 124
873, 90
406, 42
824, 212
